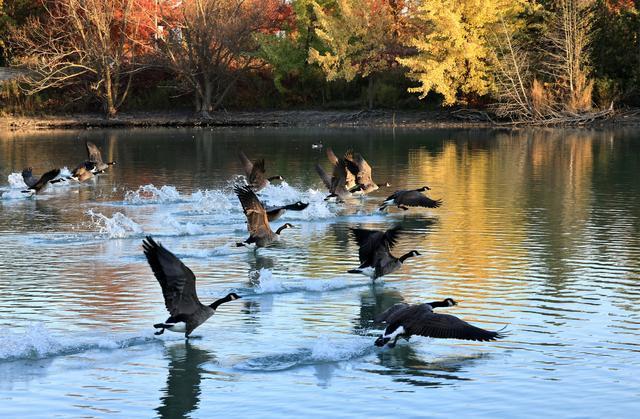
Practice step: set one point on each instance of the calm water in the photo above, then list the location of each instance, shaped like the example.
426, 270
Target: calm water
539, 231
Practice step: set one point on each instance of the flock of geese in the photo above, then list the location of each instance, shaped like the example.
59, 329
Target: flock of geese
350, 175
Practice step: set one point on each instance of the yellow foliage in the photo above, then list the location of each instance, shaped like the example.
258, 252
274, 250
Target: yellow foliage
357, 35
454, 55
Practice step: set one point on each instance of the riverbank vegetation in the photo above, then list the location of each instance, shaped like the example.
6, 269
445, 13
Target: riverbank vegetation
516, 61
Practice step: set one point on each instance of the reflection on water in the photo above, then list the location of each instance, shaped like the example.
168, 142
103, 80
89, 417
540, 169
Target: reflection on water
404, 365
539, 230
184, 375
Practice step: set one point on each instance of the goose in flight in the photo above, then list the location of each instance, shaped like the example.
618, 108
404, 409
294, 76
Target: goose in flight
178, 285
255, 172
260, 232
404, 320
362, 171
404, 199
375, 255
350, 169
96, 157
37, 185
337, 182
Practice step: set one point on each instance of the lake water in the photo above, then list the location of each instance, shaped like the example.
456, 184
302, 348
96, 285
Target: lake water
539, 232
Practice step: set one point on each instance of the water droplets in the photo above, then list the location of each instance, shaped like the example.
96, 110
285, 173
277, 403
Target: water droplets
118, 226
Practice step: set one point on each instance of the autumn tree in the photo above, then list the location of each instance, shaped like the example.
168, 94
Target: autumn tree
550, 83
360, 38
287, 51
454, 56
567, 57
90, 46
210, 44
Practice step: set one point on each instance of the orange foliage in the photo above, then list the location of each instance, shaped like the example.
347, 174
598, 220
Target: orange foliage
618, 6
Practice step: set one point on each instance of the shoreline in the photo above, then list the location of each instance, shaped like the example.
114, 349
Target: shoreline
279, 118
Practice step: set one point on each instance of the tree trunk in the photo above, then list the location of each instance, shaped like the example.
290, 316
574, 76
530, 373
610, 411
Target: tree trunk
205, 99
110, 108
224, 94
370, 92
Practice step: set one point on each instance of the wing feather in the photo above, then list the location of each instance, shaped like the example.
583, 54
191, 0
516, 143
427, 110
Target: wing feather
44, 179
417, 199
258, 223
388, 313
375, 246
363, 173
331, 156
93, 152
324, 176
246, 163
444, 326
257, 177
177, 281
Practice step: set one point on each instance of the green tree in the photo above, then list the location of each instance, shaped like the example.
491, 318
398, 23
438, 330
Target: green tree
359, 37
615, 53
287, 51
454, 56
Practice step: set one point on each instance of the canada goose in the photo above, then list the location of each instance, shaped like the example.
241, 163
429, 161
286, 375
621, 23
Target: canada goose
336, 183
84, 171
255, 172
260, 232
404, 321
35, 186
362, 172
274, 213
375, 255
179, 290
411, 198
350, 169
96, 157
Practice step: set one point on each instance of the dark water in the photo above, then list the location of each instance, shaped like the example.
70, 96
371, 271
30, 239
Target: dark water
539, 231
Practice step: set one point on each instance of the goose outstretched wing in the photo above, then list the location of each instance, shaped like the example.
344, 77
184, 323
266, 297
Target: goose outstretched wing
421, 320
417, 199
247, 166
326, 179
257, 221
44, 179
363, 175
93, 152
375, 245
177, 281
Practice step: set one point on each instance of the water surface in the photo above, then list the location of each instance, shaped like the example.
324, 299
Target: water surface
539, 232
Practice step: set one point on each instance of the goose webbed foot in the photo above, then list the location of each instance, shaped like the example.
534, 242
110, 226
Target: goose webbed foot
402, 207
159, 332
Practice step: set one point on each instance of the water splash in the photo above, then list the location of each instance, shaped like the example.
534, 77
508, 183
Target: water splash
327, 349
267, 284
184, 229
16, 181
37, 342
224, 204
119, 226
149, 194
214, 201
